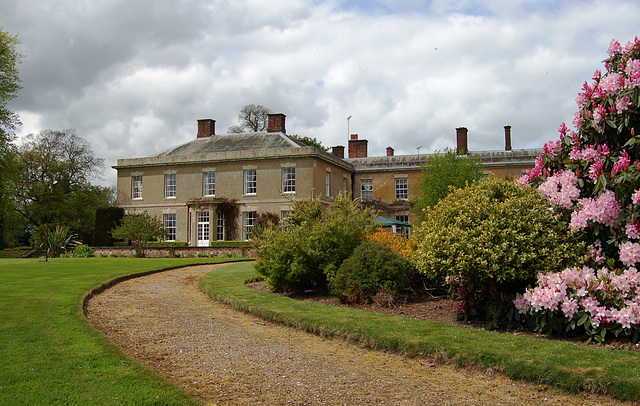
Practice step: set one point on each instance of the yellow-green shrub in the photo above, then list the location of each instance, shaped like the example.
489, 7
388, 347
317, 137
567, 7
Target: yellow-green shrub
493, 235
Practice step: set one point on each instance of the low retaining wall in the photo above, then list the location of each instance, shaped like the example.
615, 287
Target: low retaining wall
177, 252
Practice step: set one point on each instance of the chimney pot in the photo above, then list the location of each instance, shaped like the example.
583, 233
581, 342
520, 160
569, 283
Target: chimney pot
461, 137
206, 128
354, 136
276, 123
338, 151
389, 151
507, 138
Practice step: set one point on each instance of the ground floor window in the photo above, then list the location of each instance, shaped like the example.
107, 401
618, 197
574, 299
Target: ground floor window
248, 219
170, 227
220, 227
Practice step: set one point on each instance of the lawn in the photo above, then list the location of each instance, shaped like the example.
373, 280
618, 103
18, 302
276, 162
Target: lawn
561, 364
48, 351
51, 355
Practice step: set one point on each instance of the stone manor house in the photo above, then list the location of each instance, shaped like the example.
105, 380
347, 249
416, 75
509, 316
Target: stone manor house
189, 185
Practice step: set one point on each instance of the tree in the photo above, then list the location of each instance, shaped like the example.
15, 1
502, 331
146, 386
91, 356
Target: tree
252, 118
312, 142
9, 86
139, 229
9, 121
441, 171
55, 169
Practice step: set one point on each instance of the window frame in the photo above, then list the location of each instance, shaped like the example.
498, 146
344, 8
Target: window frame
248, 221
402, 188
170, 185
289, 179
220, 232
170, 223
250, 185
327, 183
207, 184
369, 191
136, 187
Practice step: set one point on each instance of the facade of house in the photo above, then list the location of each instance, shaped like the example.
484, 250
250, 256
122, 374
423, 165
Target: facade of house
191, 187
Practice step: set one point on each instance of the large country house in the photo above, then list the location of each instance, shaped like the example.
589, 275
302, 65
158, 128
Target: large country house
214, 187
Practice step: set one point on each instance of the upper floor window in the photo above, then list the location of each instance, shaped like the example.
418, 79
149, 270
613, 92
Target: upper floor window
170, 227
288, 180
366, 189
136, 187
208, 184
170, 185
402, 188
250, 182
327, 182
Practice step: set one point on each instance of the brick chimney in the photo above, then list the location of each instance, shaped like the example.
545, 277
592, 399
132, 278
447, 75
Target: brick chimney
338, 151
276, 123
206, 128
389, 151
357, 148
461, 136
507, 138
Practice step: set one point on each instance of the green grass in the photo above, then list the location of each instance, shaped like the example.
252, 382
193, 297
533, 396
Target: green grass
561, 364
48, 351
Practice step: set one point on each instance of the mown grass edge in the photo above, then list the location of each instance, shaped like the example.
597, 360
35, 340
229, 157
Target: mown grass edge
563, 365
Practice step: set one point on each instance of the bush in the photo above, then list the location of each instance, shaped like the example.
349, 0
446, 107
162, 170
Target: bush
374, 272
592, 174
314, 245
399, 244
82, 251
492, 238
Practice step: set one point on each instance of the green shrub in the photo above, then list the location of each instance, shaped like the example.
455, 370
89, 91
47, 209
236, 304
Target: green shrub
314, 245
374, 272
492, 238
82, 251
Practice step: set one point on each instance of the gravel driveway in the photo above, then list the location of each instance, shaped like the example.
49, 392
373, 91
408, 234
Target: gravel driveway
224, 357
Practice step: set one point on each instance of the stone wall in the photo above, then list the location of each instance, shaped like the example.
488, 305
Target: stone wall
177, 252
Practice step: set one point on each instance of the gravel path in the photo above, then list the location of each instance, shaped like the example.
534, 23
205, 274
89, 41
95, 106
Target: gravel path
224, 357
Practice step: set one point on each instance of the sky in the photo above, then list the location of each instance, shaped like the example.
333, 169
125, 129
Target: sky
133, 77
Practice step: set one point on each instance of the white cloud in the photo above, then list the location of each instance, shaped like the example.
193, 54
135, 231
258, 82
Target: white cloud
133, 77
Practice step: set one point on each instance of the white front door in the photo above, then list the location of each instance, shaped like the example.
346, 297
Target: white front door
202, 218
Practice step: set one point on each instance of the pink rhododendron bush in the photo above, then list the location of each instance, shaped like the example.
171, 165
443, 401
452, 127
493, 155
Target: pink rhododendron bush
591, 176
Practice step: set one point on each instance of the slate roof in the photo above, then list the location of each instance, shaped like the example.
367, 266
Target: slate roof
233, 142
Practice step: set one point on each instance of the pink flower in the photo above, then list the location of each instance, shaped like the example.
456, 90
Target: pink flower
569, 307
521, 303
633, 229
629, 253
596, 169
611, 83
614, 48
603, 209
552, 147
635, 198
560, 189
623, 104
622, 164
599, 114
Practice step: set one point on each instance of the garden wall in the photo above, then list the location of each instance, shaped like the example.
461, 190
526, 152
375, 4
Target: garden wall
176, 252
